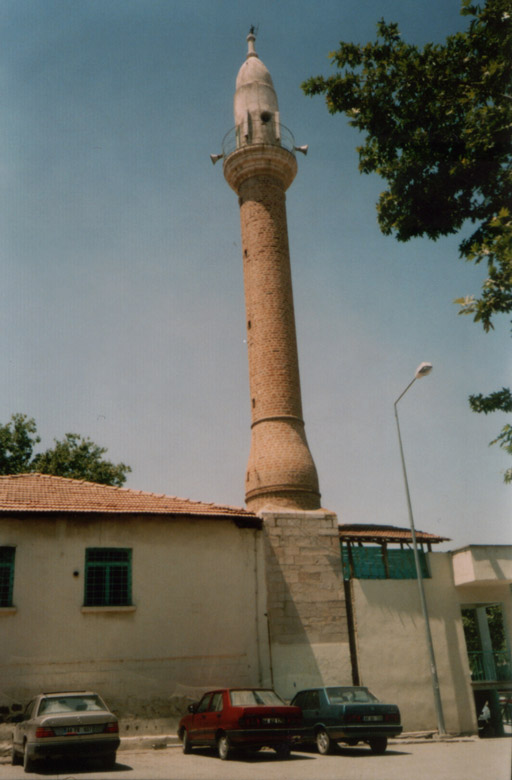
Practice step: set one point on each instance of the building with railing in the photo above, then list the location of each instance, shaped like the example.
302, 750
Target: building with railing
470, 609
482, 577
490, 666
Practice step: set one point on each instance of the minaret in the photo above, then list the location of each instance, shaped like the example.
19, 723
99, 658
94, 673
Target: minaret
259, 165
305, 601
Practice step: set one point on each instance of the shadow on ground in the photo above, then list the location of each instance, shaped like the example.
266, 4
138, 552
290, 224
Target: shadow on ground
253, 756
53, 768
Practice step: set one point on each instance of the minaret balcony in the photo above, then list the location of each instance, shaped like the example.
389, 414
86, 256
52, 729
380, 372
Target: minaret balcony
246, 160
236, 139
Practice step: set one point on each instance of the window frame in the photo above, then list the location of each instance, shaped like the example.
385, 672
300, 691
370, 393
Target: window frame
7, 566
108, 600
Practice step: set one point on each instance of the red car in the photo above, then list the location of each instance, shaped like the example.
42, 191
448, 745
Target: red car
231, 718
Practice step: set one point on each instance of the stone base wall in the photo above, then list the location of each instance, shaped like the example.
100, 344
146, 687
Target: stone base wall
307, 623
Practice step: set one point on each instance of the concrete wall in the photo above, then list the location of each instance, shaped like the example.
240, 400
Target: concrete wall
483, 564
198, 617
393, 654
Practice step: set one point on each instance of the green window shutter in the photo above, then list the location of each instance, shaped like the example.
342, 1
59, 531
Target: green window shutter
6, 575
368, 563
402, 566
108, 577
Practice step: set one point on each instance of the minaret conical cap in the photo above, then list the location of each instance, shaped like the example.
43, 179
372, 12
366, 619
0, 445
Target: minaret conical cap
255, 95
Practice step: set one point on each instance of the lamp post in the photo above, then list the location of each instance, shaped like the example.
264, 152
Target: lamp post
422, 370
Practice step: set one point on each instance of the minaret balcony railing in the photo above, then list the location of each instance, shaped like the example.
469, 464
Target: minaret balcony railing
234, 140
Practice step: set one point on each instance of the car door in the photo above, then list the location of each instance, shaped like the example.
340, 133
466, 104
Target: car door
212, 717
198, 725
311, 707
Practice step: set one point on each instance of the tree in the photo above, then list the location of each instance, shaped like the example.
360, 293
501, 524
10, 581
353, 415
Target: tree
75, 457
17, 441
438, 125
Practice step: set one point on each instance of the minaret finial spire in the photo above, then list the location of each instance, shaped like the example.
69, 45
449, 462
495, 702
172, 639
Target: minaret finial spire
251, 51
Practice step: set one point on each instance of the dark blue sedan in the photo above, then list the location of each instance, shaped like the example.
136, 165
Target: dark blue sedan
347, 714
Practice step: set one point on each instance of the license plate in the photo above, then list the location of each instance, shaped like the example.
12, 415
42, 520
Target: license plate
372, 718
69, 731
273, 721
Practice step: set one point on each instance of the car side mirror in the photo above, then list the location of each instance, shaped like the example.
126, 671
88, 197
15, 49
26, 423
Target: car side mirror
192, 707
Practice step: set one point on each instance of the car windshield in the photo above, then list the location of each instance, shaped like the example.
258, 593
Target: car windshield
255, 698
343, 695
54, 704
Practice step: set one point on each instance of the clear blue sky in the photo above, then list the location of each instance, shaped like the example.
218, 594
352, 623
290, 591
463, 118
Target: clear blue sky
122, 312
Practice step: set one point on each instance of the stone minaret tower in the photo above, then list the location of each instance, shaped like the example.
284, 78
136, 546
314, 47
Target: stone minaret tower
305, 602
260, 168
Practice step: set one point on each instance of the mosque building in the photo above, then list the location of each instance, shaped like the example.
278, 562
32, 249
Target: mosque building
153, 599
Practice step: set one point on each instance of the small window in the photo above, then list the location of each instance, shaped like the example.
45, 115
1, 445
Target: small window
108, 577
6, 575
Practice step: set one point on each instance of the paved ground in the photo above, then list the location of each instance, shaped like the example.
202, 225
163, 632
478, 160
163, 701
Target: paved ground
416, 759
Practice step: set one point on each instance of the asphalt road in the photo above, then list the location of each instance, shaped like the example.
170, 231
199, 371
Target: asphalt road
470, 759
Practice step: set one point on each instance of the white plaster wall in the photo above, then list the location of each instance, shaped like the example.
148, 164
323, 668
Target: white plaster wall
303, 665
483, 563
393, 654
198, 618
463, 568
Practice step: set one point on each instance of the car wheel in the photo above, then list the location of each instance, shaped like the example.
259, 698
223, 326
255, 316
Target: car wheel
283, 751
323, 742
16, 759
28, 763
187, 747
223, 747
379, 745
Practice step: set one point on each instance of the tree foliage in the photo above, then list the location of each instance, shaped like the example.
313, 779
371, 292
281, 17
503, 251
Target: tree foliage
437, 122
75, 457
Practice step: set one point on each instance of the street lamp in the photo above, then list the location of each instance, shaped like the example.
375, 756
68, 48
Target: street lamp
422, 370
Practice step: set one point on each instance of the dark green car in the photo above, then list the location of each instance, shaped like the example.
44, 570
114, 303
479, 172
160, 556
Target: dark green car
347, 714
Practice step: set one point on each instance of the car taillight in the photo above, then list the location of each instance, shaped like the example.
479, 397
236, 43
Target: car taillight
392, 717
353, 717
44, 731
111, 728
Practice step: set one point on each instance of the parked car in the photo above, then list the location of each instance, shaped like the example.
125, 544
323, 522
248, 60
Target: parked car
347, 714
68, 724
230, 718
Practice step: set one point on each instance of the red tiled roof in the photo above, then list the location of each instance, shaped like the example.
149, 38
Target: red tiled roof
353, 532
46, 493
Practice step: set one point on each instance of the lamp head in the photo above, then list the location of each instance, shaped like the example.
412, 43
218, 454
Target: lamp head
422, 370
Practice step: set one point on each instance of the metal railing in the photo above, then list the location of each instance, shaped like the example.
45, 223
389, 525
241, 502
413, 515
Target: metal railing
489, 666
232, 141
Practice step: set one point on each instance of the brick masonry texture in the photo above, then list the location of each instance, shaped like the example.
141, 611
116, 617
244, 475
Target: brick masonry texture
280, 471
